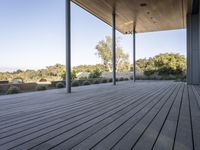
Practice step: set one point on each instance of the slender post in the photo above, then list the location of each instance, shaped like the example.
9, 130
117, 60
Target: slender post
134, 56
68, 46
114, 47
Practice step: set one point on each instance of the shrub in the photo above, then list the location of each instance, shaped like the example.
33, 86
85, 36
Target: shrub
41, 87
75, 83
60, 85
43, 80
96, 82
83, 78
104, 80
1, 91
95, 73
131, 77
73, 75
110, 80
121, 79
149, 71
4, 82
13, 90
86, 83
116, 79
126, 79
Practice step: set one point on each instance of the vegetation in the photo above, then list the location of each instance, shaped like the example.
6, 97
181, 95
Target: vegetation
75, 83
104, 51
104, 80
86, 83
1, 91
159, 67
121, 79
13, 90
96, 81
131, 77
60, 85
95, 74
51, 73
167, 66
126, 79
73, 75
89, 68
43, 80
41, 88
110, 80
163, 64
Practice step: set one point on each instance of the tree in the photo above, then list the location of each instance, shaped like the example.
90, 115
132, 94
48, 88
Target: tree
104, 51
170, 64
163, 64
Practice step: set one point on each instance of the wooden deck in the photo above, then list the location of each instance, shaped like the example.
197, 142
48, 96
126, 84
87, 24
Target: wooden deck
139, 116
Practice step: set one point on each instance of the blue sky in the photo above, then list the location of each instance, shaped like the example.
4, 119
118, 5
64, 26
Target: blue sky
32, 35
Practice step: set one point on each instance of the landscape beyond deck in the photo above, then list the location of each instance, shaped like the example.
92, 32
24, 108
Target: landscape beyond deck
147, 115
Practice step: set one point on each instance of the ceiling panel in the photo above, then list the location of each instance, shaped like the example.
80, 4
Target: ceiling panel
145, 15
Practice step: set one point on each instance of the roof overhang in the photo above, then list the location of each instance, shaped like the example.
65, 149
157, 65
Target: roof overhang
145, 15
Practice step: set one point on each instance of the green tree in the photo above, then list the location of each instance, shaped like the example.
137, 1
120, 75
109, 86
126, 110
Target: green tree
169, 63
163, 64
104, 51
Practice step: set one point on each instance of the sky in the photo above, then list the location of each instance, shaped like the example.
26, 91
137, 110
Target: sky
32, 36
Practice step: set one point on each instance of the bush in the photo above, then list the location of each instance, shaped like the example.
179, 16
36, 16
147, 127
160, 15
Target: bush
41, 88
43, 80
60, 85
126, 79
121, 79
13, 90
75, 83
86, 83
83, 78
73, 75
110, 80
116, 79
1, 91
96, 82
4, 82
149, 71
95, 74
104, 80
131, 77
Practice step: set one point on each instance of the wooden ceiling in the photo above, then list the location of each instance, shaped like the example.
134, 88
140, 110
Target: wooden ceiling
145, 15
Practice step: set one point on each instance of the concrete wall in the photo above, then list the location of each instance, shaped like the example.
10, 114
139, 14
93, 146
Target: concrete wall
193, 48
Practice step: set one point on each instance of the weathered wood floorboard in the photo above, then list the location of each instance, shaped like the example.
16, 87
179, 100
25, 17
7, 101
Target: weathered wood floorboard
143, 115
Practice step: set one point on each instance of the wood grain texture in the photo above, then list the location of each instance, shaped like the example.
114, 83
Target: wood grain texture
140, 115
157, 15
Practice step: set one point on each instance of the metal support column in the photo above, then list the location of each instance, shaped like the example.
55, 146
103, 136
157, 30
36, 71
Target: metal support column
114, 47
134, 56
68, 46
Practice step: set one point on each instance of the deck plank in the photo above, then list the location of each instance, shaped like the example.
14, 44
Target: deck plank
77, 111
183, 139
80, 124
110, 128
165, 139
129, 140
142, 115
195, 114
